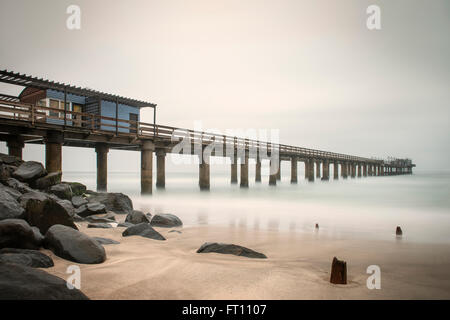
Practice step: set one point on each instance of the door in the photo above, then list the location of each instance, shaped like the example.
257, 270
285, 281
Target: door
133, 122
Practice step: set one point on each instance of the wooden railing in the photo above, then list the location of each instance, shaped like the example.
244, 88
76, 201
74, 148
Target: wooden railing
39, 114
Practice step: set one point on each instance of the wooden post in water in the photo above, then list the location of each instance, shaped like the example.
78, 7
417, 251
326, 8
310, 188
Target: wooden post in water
102, 166
294, 175
53, 151
147, 167
160, 168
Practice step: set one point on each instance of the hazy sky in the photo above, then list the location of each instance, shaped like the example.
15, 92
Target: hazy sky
309, 68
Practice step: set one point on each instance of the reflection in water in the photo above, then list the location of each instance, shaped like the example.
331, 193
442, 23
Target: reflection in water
368, 208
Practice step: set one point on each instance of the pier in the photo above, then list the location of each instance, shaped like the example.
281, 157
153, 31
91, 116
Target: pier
58, 115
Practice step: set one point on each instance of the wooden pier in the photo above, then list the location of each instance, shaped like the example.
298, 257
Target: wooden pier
27, 122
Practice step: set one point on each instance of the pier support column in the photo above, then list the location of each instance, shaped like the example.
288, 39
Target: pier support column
294, 175
353, 166
204, 176
273, 176
102, 166
335, 171
53, 151
147, 167
15, 146
244, 171
382, 170
364, 169
279, 171
326, 170
234, 167
258, 169
317, 169
311, 170
160, 168
359, 170
345, 170
306, 169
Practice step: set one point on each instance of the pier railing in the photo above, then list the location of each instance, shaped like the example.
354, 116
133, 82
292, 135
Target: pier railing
35, 115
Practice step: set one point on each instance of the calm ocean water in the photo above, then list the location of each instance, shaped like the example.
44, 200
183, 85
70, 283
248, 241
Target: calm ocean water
362, 207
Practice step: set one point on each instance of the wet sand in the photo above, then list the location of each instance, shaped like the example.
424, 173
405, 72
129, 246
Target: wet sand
298, 267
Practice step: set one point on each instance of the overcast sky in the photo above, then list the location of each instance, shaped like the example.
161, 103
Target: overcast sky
309, 68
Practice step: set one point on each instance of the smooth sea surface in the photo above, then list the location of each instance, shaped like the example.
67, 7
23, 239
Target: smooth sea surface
366, 208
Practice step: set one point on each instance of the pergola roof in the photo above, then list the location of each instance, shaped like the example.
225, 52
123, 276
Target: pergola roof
39, 83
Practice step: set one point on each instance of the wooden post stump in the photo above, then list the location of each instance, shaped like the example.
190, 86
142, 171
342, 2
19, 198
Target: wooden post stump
338, 272
399, 231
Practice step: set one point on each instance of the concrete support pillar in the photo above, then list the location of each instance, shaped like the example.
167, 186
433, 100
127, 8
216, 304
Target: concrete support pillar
369, 170
204, 173
244, 171
234, 169
53, 151
102, 150
353, 168
273, 176
15, 146
317, 169
160, 168
364, 169
336, 171
279, 171
382, 170
345, 170
294, 174
147, 167
359, 170
311, 170
326, 170
306, 169
258, 169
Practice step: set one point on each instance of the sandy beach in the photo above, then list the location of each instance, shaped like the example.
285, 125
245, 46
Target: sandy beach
298, 267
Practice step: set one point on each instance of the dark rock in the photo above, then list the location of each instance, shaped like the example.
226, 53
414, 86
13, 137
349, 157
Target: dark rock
105, 241
98, 219
47, 181
143, 230
68, 206
10, 160
17, 185
137, 217
100, 225
77, 218
29, 171
71, 244
78, 189
166, 220
125, 225
62, 191
37, 234
33, 195
25, 283
78, 201
90, 209
44, 214
12, 192
338, 272
230, 249
29, 258
17, 233
399, 231
116, 202
177, 231
6, 171
9, 207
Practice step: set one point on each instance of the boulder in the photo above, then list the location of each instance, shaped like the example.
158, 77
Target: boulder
62, 191
47, 181
90, 209
99, 219
175, 231
17, 185
6, 171
77, 218
17, 233
338, 271
46, 213
66, 204
29, 171
116, 202
33, 195
71, 244
9, 207
166, 220
78, 201
136, 217
104, 241
25, 257
12, 192
78, 189
230, 249
125, 225
25, 283
143, 230
10, 160
99, 225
